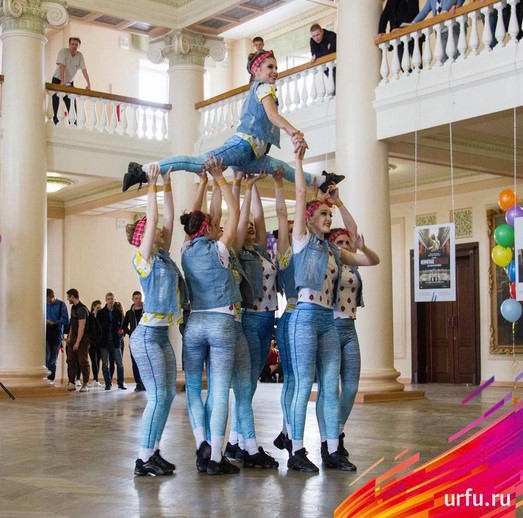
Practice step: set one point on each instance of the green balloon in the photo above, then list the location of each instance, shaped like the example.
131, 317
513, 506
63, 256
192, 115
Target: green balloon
504, 235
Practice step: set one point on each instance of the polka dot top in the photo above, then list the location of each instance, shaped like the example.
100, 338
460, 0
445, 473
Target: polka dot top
347, 294
269, 300
324, 297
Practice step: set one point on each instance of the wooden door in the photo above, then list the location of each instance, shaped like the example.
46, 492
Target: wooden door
446, 334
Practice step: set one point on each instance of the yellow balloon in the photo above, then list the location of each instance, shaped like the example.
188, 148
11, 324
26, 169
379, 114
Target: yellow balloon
501, 255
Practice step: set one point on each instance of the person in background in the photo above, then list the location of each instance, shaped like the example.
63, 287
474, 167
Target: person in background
130, 322
94, 350
56, 318
258, 44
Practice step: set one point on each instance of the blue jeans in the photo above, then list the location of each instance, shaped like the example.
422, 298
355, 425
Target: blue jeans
242, 415
52, 347
234, 152
287, 390
349, 371
209, 337
155, 358
116, 353
314, 346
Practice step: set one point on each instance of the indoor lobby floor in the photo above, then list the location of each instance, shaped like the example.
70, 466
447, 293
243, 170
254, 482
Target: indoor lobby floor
73, 456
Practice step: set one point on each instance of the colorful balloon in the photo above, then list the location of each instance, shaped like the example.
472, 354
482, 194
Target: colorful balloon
501, 255
512, 290
510, 270
507, 198
511, 310
513, 212
504, 235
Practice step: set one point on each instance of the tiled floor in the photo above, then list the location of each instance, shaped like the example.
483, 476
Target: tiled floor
73, 456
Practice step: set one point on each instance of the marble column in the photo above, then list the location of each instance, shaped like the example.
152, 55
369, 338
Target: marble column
186, 51
23, 199
363, 159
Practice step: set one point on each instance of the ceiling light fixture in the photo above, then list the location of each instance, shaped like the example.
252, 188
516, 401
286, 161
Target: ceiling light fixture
57, 183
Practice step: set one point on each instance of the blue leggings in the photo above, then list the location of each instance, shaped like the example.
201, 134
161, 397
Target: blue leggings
209, 337
155, 358
287, 390
234, 152
314, 345
349, 371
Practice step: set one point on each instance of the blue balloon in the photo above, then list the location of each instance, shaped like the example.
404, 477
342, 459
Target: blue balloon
510, 270
511, 310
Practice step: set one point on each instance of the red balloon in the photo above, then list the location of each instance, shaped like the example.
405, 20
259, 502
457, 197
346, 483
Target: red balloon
512, 290
506, 199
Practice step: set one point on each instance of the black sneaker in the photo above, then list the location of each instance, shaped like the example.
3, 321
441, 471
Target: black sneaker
324, 450
341, 448
203, 454
329, 179
224, 467
279, 442
164, 464
337, 461
259, 460
287, 444
300, 462
135, 174
139, 388
108, 387
239, 454
151, 467
231, 450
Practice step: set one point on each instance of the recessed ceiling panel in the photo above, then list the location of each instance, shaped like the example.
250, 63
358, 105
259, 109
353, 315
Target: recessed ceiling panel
109, 20
215, 23
261, 4
78, 13
237, 13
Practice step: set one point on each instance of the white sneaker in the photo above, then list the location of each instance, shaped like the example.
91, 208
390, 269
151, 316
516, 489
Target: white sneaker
78, 383
96, 384
84, 388
70, 386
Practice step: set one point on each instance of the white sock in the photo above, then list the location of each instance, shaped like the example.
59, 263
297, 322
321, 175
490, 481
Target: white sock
145, 454
284, 428
145, 167
156, 446
216, 447
233, 437
199, 436
323, 438
320, 180
241, 441
332, 445
251, 446
296, 445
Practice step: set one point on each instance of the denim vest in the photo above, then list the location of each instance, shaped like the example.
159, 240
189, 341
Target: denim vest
254, 120
160, 287
245, 286
359, 295
286, 277
252, 266
210, 284
310, 264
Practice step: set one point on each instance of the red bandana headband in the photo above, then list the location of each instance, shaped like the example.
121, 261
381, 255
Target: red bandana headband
336, 235
138, 232
203, 227
313, 207
258, 59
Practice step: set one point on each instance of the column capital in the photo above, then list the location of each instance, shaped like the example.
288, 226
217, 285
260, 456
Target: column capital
32, 15
185, 47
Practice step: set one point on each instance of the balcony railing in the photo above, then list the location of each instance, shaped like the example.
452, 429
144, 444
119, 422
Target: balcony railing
467, 31
94, 111
298, 88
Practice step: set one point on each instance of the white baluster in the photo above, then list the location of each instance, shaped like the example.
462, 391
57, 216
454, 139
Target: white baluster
165, 124
384, 68
71, 118
304, 91
513, 26
439, 52
154, 123
229, 121
287, 99
313, 90
474, 36
114, 117
487, 31
500, 25
331, 87
81, 115
322, 91
60, 114
93, 115
201, 125
295, 91
416, 54
140, 122
405, 59
132, 123
462, 39
212, 120
222, 122
427, 51
396, 65
102, 128
50, 113
450, 49
234, 112
124, 123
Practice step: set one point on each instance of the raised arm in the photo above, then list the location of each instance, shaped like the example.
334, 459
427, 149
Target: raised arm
300, 224
348, 221
87, 80
243, 222
367, 257
152, 212
281, 212
202, 189
168, 210
215, 208
259, 217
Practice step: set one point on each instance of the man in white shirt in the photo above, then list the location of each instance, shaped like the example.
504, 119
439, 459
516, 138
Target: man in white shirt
68, 62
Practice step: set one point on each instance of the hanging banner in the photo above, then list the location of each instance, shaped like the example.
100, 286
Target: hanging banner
435, 263
518, 258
